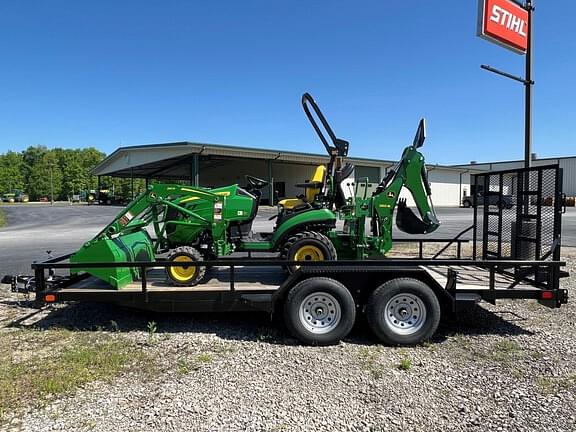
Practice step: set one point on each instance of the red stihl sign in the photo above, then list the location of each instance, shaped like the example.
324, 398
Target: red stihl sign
505, 23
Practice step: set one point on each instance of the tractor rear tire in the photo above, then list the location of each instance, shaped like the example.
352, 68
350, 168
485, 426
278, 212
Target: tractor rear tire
403, 311
319, 311
308, 246
188, 275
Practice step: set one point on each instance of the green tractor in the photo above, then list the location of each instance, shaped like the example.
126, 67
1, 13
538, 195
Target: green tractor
195, 224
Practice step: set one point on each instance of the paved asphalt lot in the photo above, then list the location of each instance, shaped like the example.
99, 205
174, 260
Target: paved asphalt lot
34, 229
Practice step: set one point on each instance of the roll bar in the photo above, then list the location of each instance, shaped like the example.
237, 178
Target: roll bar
340, 146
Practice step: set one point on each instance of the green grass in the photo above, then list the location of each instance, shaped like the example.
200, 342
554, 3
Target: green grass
212, 353
152, 330
38, 365
183, 367
204, 358
551, 385
3, 221
504, 352
405, 364
369, 361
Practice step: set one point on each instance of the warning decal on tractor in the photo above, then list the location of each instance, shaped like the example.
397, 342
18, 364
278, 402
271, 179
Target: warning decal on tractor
126, 218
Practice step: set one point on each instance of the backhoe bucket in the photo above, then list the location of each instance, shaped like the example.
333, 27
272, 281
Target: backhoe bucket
409, 223
132, 247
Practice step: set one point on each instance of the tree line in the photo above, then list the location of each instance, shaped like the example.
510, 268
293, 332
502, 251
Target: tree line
41, 172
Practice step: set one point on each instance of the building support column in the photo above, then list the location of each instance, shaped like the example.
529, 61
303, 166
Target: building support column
132, 181
460, 191
195, 171
271, 183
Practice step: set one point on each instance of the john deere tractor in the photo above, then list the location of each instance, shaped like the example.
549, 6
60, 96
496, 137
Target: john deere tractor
193, 224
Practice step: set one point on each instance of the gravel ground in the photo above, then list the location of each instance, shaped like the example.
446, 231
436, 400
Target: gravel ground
510, 367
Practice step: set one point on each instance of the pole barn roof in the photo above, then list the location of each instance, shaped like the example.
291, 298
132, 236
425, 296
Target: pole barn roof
173, 160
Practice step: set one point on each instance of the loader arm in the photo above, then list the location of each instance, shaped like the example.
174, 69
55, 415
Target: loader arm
150, 207
125, 239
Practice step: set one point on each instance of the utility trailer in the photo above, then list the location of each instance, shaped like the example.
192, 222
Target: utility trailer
515, 255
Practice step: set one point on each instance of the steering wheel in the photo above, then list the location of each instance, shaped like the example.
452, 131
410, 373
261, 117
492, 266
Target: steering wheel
255, 182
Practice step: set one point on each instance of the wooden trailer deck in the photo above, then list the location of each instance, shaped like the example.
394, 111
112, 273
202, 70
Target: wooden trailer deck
475, 278
216, 279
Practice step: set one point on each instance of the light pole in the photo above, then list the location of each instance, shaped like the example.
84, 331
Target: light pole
528, 83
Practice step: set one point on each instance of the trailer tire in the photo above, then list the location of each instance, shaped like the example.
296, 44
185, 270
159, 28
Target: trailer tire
186, 275
308, 246
403, 311
319, 311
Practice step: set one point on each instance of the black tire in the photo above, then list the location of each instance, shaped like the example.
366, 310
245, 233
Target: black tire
332, 317
188, 275
467, 204
320, 246
403, 311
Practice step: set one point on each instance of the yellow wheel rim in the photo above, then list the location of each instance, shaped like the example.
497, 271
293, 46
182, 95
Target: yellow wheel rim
183, 274
309, 253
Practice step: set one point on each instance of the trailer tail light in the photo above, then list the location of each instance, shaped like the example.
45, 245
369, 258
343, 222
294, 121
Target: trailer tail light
49, 298
547, 295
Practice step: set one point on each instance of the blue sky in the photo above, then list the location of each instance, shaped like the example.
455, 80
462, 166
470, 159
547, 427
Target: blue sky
111, 73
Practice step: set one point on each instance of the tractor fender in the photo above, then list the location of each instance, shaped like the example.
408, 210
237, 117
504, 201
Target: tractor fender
303, 221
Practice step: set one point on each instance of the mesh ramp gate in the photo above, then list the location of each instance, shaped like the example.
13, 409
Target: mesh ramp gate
517, 216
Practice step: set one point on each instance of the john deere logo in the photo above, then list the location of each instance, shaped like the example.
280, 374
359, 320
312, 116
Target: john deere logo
391, 194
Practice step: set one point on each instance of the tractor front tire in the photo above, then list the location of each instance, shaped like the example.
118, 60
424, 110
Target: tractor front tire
188, 275
308, 246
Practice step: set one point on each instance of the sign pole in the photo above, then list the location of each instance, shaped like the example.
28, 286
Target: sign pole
528, 83
508, 23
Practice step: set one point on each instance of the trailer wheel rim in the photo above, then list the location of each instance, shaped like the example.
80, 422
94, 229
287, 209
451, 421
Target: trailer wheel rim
320, 313
183, 274
405, 314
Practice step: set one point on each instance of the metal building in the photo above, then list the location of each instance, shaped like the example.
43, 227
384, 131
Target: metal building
213, 165
567, 163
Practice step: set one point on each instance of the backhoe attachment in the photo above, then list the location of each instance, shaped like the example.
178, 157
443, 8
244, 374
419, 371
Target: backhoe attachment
408, 222
416, 181
409, 173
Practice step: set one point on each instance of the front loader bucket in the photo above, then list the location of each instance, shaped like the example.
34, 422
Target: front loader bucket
132, 247
409, 223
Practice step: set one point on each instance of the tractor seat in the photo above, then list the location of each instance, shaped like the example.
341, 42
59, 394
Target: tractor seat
311, 189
